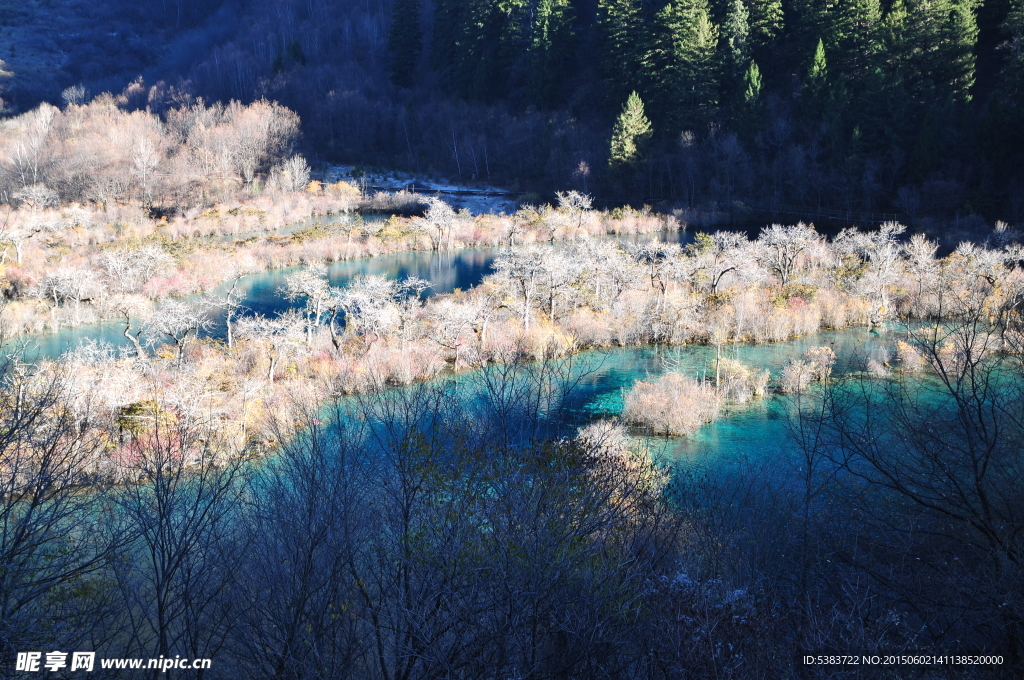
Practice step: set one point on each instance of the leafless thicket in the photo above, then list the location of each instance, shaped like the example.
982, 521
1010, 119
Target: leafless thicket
409, 533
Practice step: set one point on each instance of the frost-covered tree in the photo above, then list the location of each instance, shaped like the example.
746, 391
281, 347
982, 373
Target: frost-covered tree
439, 219
292, 175
130, 268
522, 268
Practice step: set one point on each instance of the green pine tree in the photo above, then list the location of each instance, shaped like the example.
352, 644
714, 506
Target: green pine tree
749, 112
928, 45
467, 48
817, 91
752, 85
733, 55
817, 74
632, 130
1011, 78
538, 45
735, 36
405, 41
620, 31
678, 68
851, 27
765, 22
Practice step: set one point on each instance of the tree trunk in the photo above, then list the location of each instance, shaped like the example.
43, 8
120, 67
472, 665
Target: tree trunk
334, 333
134, 338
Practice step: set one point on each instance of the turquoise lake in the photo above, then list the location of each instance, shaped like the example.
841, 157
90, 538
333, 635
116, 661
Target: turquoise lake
756, 430
446, 271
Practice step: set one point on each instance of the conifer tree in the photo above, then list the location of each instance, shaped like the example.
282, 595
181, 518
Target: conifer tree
929, 46
749, 113
734, 55
765, 22
678, 66
752, 84
851, 35
735, 42
542, 33
405, 41
632, 129
958, 35
1011, 79
1000, 133
817, 74
449, 19
620, 33
736, 31
467, 47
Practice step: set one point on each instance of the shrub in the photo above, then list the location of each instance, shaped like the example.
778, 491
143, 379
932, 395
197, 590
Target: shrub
909, 358
796, 376
737, 382
821, 359
672, 404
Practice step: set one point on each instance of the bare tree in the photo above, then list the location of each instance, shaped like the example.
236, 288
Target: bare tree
575, 204
299, 575
293, 174
451, 321
522, 268
781, 247
145, 159
29, 153
180, 501
179, 322
934, 465
310, 283
135, 310
130, 269
719, 255
76, 284
559, 269
54, 538
282, 334
879, 252
37, 197
368, 302
440, 219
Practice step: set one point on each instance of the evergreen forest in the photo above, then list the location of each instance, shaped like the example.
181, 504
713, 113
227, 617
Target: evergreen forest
912, 108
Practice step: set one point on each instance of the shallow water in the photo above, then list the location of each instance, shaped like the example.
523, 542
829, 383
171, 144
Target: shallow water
447, 271
757, 429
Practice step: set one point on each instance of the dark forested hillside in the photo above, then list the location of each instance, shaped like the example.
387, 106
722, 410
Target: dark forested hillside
909, 106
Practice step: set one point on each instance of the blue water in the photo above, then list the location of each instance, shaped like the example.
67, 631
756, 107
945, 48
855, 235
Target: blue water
447, 271
756, 430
